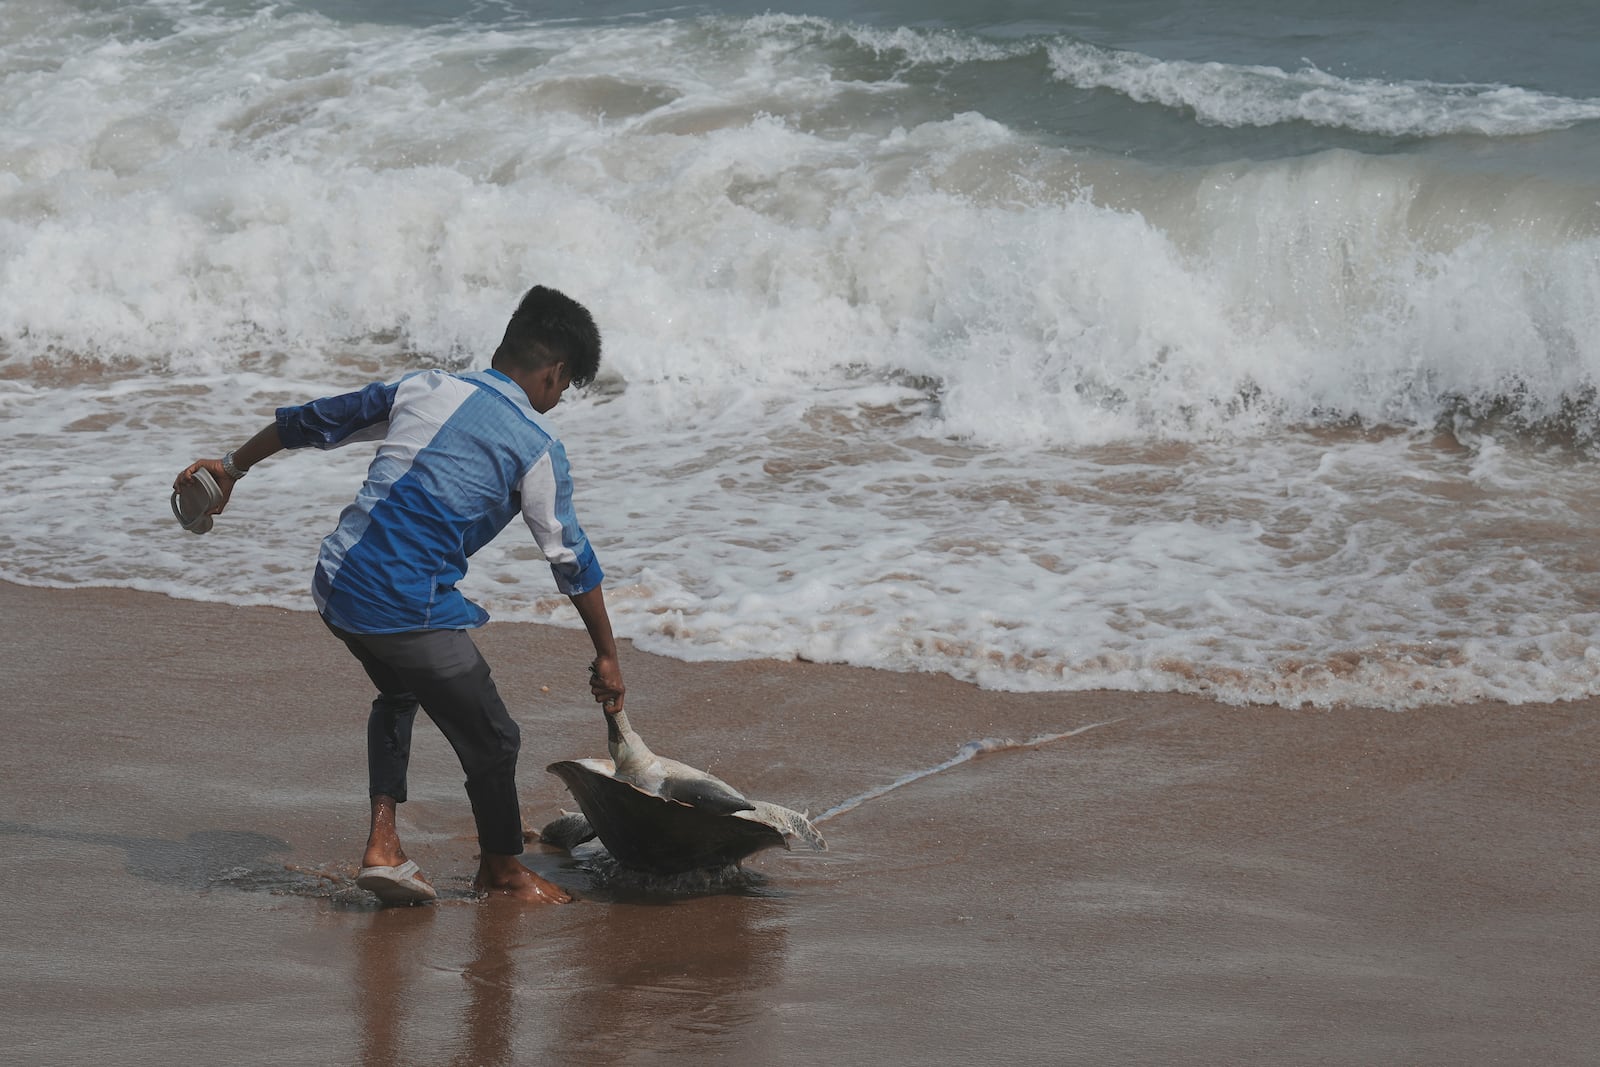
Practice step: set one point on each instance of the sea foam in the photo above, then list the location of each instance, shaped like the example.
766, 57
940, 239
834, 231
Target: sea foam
887, 381
1227, 94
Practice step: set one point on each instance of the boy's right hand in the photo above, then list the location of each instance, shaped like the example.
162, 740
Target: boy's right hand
224, 482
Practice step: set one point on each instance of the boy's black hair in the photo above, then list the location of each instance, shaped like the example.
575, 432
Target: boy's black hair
550, 327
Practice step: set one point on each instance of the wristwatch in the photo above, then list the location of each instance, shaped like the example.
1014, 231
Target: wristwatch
230, 469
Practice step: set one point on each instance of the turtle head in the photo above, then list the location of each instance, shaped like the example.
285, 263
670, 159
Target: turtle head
625, 745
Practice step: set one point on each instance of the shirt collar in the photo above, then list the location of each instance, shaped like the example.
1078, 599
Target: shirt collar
502, 384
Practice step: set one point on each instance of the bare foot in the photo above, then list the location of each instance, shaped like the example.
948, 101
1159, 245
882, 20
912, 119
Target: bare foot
506, 876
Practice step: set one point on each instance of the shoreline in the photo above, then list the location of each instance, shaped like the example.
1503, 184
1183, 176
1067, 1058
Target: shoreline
1191, 882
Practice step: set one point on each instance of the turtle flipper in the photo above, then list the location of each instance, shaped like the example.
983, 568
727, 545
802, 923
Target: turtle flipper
567, 832
788, 822
705, 793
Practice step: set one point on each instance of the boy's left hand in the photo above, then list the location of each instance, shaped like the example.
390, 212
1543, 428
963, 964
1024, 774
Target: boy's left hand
605, 682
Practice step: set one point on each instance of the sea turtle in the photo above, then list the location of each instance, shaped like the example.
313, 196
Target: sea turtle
660, 816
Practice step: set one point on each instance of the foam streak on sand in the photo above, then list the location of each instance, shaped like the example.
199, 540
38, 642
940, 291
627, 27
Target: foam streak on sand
965, 753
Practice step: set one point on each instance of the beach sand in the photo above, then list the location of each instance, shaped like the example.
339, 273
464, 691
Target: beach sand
184, 796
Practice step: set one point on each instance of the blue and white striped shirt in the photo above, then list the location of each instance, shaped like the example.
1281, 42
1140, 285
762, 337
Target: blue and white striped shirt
461, 455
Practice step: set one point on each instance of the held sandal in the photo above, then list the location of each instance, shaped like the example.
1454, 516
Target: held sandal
192, 504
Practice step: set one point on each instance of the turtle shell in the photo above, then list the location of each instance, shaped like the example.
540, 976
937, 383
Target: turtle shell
650, 833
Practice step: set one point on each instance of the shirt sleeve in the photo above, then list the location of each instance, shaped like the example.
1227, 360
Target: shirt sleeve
547, 508
337, 420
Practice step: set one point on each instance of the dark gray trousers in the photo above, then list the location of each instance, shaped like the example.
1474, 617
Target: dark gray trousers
442, 671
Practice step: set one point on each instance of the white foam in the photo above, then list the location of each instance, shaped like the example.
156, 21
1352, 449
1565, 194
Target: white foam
1252, 95
173, 211
963, 754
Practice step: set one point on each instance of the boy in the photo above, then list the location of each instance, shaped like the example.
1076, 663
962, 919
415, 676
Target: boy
460, 456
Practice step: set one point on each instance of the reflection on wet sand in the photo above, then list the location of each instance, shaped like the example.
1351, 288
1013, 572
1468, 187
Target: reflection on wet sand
387, 963
490, 1020
602, 981
675, 978
393, 976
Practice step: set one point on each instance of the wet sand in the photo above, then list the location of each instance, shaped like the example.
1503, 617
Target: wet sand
183, 796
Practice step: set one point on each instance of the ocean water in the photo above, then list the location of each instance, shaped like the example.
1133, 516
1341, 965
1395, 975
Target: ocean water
1235, 348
